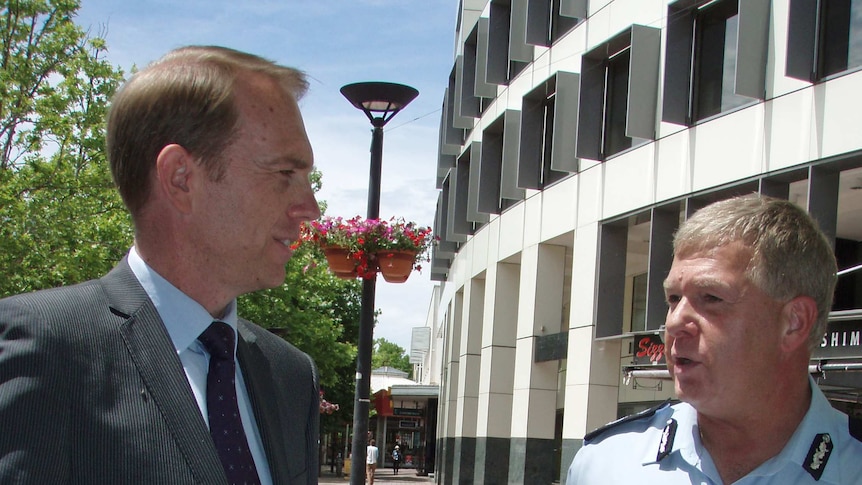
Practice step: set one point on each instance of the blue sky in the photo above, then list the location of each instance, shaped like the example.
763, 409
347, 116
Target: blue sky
336, 42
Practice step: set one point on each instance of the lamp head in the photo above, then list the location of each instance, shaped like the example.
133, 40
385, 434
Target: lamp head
380, 101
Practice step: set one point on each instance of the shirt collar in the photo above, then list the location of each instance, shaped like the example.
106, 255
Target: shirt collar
795, 452
184, 318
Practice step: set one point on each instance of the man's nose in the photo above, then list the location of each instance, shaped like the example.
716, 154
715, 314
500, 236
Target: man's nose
306, 208
681, 319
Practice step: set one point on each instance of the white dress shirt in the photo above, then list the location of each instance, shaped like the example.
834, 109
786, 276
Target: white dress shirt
185, 319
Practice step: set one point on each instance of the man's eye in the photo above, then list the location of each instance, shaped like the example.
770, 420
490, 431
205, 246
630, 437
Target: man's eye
711, 298
672, 299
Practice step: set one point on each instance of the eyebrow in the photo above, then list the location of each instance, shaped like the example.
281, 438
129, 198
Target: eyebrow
701, 282
285, 160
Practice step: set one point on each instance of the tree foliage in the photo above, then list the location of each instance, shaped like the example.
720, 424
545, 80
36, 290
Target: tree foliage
390, 354
61, 221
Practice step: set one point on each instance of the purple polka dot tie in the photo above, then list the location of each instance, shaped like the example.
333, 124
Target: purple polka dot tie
225, 423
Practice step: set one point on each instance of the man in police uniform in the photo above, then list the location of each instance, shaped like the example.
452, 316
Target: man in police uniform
748, 296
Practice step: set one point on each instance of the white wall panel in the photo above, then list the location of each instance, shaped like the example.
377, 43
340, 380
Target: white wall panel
716, 159
559, 208
566, 53
583, 278
791, 132
628, 181
532, 220
672, 172
589, 194
511, 238
841, 109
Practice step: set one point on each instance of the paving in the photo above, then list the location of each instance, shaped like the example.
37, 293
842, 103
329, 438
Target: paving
383, 476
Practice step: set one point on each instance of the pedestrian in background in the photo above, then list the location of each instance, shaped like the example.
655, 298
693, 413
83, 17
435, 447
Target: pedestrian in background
749, 292
371, 456
396, 458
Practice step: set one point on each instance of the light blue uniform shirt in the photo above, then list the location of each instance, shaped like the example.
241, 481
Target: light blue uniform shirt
629, 452
185, 319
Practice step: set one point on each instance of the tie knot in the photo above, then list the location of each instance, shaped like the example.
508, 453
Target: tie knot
218, 340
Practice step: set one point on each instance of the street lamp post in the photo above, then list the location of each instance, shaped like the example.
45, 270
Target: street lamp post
380, 102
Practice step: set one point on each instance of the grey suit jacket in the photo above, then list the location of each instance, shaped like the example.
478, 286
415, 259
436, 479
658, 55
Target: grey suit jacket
92, 391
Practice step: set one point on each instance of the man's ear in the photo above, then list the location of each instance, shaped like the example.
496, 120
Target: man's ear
799, 318
174, 169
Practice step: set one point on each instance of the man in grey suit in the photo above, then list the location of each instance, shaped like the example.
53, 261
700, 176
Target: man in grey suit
107, 381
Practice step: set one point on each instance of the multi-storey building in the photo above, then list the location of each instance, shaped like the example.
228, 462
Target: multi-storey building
575, 137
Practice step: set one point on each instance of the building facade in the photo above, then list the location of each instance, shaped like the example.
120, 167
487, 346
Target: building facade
575, 136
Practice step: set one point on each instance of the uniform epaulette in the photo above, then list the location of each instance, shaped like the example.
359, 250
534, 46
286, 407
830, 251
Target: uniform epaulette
855, 425
646, 413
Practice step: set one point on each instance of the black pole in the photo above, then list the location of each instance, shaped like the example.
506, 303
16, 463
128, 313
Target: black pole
362, 397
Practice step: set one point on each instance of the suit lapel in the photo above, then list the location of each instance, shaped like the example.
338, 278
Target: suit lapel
153, 353
259, 378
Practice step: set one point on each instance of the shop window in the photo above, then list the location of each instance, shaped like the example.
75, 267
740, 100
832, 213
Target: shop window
549, 20
618, 93
824, 38
638, 245
706, 70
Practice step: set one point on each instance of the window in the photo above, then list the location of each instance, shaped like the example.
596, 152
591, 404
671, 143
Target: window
618, 93
548, 117
614, 138
549, 20
706, 71
716, 28
635, 249
508, 51
498, 169
824, 38
841, 36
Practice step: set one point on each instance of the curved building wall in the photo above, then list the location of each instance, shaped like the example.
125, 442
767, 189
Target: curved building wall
575, 136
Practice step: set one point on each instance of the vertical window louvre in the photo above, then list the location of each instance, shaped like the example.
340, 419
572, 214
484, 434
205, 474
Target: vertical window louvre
461, 188
473, 214
614, 139
565, 126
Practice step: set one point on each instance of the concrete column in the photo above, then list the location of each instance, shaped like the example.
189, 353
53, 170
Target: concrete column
497, 370
534, 400
468, 390
450, 387
593, 367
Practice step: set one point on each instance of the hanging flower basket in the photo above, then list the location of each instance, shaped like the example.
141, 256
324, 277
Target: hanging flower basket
394, 247
396, 266
340, 262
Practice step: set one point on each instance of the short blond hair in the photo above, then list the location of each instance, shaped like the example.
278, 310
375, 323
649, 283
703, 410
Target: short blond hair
790, 255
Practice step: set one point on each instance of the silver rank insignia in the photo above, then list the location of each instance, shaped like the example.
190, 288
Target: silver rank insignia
818, 455
665, 446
